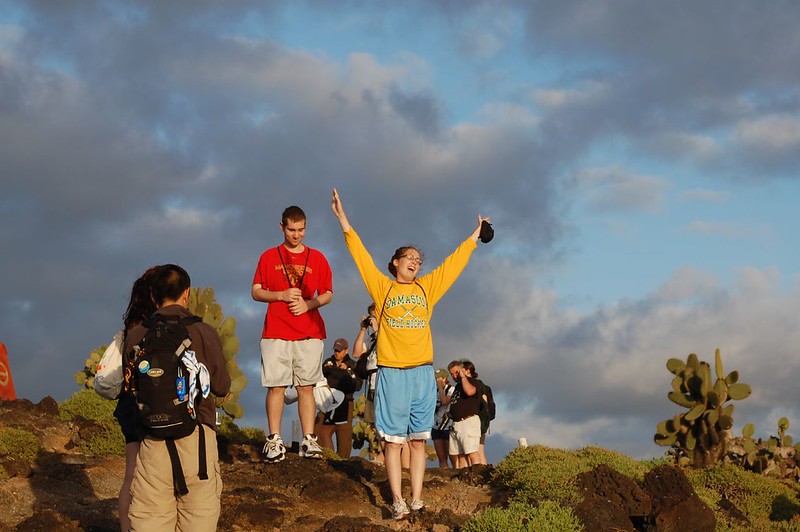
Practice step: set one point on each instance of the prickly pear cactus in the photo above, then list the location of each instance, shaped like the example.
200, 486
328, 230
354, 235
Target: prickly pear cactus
775, 456
699, 436
365, 437
85, 377
202, 303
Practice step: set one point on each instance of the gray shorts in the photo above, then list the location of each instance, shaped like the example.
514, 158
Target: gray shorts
291, 363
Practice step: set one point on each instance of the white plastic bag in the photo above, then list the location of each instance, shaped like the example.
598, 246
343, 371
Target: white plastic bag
109, 375
327, 398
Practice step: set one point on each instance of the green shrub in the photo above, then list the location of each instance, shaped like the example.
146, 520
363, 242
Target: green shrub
543, 473
86, 403
108, 441
549, 516
234, 434
19, 444
769, 503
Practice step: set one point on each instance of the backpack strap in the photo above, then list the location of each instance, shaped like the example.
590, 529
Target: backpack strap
202, 471
178, 480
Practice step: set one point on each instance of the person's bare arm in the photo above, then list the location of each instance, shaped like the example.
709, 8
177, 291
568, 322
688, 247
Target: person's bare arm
443, 397
301, 306
268, 296
358, 345
338, 211
466, 386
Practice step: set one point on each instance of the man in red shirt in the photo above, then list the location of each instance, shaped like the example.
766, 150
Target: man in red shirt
295, 281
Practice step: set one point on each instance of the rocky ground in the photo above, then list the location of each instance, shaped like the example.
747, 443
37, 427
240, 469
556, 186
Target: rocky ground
63, 490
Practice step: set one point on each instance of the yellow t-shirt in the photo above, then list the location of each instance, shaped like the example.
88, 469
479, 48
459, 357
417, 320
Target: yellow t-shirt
405, 310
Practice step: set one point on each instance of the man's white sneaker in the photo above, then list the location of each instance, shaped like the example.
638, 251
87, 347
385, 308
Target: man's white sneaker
274, 451
309, 448
417, 505
400, 510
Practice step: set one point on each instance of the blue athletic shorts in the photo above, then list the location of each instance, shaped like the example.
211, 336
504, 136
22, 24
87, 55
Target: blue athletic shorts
405, 400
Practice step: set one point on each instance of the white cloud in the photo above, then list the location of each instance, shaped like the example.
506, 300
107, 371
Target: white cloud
774, 133
567, 378
705, 195
614, 188
731, 230
589, 92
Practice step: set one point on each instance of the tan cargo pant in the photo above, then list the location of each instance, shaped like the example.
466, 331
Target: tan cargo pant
154, 505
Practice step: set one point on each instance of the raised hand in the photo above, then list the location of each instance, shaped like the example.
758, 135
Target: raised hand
338, 211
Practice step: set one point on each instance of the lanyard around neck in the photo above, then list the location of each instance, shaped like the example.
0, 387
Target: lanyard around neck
286, 273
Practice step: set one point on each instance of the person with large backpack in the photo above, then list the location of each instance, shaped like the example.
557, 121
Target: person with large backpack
175, 360
487, 409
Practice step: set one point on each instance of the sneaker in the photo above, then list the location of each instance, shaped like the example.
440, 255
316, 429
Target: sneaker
274, 450
400, 510
417, 505
309, 448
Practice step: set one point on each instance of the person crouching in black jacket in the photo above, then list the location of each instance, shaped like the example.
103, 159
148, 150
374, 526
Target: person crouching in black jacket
338, 370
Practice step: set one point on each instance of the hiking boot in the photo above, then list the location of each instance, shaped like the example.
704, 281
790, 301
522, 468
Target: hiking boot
417, 505
309, 448
400, 510
274, 451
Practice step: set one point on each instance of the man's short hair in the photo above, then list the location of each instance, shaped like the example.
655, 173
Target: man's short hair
293, 213
169, 282
454, 363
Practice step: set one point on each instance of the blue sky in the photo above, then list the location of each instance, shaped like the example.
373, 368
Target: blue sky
639, 161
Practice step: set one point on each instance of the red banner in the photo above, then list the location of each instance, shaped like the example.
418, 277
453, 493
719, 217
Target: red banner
6, 382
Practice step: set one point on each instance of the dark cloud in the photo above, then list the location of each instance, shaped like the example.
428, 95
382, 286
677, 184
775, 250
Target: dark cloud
136, 134
662, 72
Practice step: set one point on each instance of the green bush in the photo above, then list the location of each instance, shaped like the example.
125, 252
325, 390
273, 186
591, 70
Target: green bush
108, 440
770, 504
549, 516
543, 473
86, 403
234, 434
19, 444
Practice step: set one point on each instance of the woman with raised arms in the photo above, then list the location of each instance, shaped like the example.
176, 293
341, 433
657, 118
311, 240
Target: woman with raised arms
405, 397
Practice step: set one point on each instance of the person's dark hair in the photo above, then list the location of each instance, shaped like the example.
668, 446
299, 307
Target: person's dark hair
469, 366
141, 305
169, 283
453, 364
371, 308
293, 213
399, 252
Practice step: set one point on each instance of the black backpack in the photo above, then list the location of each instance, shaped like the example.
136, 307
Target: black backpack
162, 390
159, 380
489, 401
487, 409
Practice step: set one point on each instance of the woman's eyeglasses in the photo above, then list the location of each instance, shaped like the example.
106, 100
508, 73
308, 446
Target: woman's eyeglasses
413, 258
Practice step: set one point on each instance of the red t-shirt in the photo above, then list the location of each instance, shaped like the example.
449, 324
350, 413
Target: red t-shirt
279, 269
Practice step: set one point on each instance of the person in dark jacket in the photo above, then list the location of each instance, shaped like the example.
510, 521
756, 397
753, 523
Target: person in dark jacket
465, 436
154, 505
338, 371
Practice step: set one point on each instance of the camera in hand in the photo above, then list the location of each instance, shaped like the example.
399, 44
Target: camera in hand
365, 323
